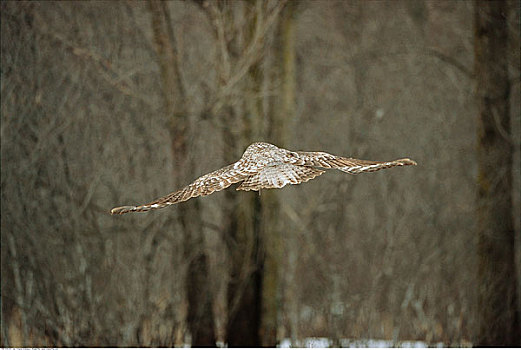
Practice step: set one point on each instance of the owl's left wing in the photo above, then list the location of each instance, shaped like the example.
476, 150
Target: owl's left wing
348, 165
207, 184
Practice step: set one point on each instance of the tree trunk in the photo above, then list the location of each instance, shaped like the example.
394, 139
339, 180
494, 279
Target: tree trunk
272, 227
199, 294
245, 282
245, 263
245, 288
245, 246
254, 242
200, 316
497, 298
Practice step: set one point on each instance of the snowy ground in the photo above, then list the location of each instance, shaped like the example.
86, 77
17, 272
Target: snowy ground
363, 343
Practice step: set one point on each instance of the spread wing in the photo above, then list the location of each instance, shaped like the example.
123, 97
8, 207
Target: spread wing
254, 169
278, 176
348, 165
203, 186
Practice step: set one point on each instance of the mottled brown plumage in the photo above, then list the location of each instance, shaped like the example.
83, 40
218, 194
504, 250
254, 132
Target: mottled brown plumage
264, 165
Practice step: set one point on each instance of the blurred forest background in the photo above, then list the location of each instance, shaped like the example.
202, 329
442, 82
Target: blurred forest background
120, 102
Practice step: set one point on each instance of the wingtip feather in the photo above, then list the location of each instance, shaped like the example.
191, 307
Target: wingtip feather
121, 210
407, 161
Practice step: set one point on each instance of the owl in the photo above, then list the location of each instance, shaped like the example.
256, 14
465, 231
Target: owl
264, 165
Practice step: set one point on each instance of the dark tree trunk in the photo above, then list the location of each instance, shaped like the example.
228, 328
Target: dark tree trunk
244, 246
200, 316
254, 295
497, 296
278, 132
244, 298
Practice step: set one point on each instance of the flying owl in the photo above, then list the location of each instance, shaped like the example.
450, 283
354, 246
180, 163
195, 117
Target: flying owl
264, 165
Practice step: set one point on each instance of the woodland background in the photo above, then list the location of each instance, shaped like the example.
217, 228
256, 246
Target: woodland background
120, 102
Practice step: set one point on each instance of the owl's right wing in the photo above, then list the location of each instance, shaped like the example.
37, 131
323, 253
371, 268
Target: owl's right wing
348, 165
207, 184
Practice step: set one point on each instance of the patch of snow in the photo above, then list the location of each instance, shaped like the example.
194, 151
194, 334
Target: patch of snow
358, 343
